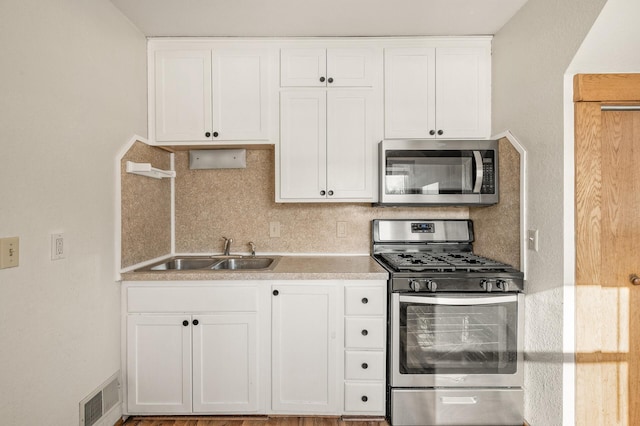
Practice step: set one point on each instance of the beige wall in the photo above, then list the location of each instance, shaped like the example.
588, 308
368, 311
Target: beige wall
72, 92
530, 56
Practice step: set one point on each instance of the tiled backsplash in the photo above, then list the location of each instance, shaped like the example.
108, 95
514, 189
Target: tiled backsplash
146, 207
239, 204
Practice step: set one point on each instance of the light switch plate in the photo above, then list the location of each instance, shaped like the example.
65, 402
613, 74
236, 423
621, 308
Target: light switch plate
274, 229
57, 246
532, 239
9, 252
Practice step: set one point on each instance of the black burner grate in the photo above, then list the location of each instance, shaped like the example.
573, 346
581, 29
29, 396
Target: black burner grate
445, 261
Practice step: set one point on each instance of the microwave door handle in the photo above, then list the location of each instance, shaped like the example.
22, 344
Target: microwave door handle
479, 172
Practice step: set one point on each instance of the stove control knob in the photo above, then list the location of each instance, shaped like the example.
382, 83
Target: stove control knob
432, 286
486, 285
415, 285
502, 285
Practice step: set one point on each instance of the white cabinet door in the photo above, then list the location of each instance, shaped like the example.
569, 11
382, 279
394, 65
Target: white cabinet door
211, 95
326, 145
159, 364
349, 67
305, 349
410, 92
303, 141
225, 363
350, 144
319, 67
302, 67
182, 95
240, 95
463, 98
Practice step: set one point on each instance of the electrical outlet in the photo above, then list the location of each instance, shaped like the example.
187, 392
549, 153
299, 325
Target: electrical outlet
274, 229
9, 252
341, 229
57, 246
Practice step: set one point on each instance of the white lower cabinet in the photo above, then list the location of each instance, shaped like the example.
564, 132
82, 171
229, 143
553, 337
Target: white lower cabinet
200, 362
225, 363
197, 347
365, 343
305, 348
159, 363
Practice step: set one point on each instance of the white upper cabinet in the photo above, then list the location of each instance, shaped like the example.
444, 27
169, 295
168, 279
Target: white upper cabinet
183, 95
240, 94
326, 145
210, 95
319, 67
437, 92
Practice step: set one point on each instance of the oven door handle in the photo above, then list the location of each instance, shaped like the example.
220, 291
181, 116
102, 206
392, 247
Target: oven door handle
479, 172
430, 300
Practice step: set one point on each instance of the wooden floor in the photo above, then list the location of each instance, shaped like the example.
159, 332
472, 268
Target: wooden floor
249, 421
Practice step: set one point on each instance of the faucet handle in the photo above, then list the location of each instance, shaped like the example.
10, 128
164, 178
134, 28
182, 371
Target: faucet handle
253, 248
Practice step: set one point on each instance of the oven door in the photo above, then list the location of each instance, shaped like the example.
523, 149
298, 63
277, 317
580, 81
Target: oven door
456, 340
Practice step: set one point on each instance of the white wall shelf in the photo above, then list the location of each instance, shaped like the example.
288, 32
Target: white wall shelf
145, 169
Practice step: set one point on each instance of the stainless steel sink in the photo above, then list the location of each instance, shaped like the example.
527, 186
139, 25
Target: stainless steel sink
181, 264
246, 263
216, 263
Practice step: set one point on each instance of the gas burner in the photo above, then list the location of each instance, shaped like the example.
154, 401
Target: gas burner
442, 260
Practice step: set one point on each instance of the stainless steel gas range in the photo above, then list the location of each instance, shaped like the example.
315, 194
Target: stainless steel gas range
455, 327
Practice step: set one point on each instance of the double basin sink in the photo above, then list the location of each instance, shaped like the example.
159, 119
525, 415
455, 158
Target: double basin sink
214, 263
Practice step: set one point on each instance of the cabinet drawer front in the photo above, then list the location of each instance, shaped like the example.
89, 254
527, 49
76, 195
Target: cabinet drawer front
365, 300
364, 397
365, 333
363, 365
430, 407
192, 299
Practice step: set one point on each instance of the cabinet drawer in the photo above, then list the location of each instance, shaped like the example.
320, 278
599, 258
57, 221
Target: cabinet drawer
236, 298
363, 365
365, 333
364, 397
456, 407
365, 300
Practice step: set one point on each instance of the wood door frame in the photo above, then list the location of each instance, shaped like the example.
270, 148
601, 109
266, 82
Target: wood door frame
590, 93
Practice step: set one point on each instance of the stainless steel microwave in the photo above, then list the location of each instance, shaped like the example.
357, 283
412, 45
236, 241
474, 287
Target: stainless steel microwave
438, 172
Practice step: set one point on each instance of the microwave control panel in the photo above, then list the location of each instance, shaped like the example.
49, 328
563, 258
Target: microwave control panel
488, 177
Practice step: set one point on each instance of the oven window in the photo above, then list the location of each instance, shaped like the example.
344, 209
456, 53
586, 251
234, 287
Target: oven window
467, 339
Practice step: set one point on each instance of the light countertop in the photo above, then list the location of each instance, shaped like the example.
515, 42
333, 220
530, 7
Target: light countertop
288, 268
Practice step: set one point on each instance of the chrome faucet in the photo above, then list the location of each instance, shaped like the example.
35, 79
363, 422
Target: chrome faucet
253, 249
227, 245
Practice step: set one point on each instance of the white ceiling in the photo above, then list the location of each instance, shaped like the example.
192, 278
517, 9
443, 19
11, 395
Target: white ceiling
318, 17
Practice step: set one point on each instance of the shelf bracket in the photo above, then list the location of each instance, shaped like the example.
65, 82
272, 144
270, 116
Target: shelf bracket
145, 169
